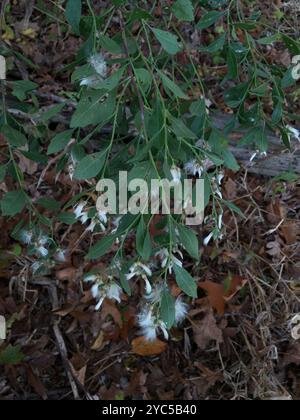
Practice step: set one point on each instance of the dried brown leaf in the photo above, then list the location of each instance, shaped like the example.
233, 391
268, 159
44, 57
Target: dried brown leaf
206, 330
143, 347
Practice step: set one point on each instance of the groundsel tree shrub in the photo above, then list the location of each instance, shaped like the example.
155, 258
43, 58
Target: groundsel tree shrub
142, 106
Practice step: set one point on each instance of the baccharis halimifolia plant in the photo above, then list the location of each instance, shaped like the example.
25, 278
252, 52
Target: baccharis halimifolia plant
140, 104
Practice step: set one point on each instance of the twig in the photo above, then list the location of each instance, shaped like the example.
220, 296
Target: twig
54, 160
55, 98
64, 355
130, 72
29, 5
31, 117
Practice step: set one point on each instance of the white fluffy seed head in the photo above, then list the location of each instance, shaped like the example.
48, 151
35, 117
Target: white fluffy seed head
97, 61
181, 310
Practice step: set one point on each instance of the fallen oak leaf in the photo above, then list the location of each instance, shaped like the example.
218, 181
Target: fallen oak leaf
215, 294
98, 342
219, 294
80, 374
109, 308
143, 347
207, 330
237, 283
36, 383
276, 212
290, 232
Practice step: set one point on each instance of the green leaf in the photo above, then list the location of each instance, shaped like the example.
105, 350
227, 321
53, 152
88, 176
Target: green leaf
232, 64
82, 72
44, 220
123, 280
111, 82
168, 41
288, 80
183, 10
12, 355
180, 129
118, 2
15, 138
110, 45
22, 87
138, 15
269, 40
147, 247
293, 46
73, 14
209, 19
94, 108
140, 236
3, 169
13, 203
101, 248
50, 113
169, 85
185, 281
167, 309
143, 241
144, 78
90, 166
277, 113
247, 26
67, 218
235, 96
36, 157
189, 240
215, 46
285, 136
234, 208
49, 204
78, 153
260, 90
230, 161
262, 140
60, 142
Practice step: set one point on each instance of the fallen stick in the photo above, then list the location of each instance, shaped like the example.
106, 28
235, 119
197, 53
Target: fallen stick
279, 159
64, 355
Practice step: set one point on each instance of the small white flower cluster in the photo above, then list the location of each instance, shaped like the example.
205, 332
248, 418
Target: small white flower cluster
98, 62
258, 154
176, 174
294, 133
139, 269
151, 324
36, 242
149, 319
194, 168
103, 288
217, 184
43, 248
61, 255
99, 219
197, 168
216, 232
168, 261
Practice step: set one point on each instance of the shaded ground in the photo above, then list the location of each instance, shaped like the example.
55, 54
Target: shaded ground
58, 347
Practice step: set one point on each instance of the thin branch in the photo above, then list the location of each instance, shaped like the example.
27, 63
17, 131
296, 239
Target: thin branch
130, 72
64, 355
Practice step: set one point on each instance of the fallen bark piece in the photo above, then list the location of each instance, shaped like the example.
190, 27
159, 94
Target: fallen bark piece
279, 159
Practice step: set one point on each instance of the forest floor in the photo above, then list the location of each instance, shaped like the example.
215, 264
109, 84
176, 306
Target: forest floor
58, 347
